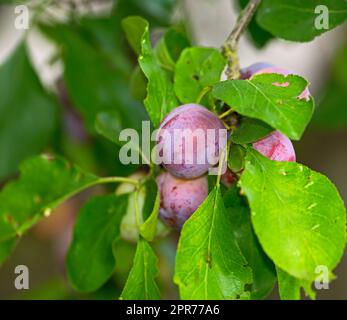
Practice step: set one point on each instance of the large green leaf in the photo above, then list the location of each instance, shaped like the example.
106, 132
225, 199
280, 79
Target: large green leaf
90, 260
102, 88
141, 283
264, 275
298, 215
196, 69
209, 264
44, 183
295, 19
160, 98
27, 112
272, 98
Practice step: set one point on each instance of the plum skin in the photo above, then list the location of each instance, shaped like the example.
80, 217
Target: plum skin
248, 72
264, 68
277, 147
189, 116
179, 198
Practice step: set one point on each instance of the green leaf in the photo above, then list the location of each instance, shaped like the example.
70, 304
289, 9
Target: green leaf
142, 212
209, 264
264, 275
109, 126
148, 229
297, 214
272, 98
250, 130
290, 287
295, 20
160, 98
134, 28
90, 260
170, 46
27, 113
6, 248
196, 69
141, 283
236, 159
138, 84
44, 183
102, 89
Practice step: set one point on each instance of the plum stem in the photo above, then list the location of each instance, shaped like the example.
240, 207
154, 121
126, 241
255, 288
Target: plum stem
137, 209
105, 180
223, 161
230, 46
226, 113
203, 92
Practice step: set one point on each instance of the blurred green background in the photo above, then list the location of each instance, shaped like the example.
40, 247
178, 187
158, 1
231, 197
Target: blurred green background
73, 63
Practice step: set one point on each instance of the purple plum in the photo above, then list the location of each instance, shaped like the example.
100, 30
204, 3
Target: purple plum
277, 147
180, 198
263, 68
190, 139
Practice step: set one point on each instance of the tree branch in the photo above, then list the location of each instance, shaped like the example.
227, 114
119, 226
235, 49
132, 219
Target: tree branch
230, 47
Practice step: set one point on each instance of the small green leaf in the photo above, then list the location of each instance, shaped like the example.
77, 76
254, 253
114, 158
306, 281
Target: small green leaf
27, 113
196, 69
272, 98
297, 214
264, 275
236, 159
134, 28
150, 211
170, 46
44, 183
297, 20
160, 98
250, 130
209, 264
90, 260
141, 283
142, 212
290, 287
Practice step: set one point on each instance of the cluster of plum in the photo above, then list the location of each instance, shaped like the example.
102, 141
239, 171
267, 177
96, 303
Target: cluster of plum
184, 187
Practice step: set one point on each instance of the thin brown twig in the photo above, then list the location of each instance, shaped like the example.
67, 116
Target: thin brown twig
230, 46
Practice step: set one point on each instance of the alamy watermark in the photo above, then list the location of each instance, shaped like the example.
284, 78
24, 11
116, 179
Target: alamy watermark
322, 20
21, 282
22, 19
174, 146
322, 279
